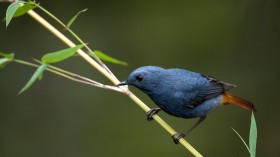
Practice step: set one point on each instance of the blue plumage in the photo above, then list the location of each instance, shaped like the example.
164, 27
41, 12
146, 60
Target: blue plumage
182, 93
178, 92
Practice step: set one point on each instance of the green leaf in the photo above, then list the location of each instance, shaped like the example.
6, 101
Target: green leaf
60, 55
7, 58
12, 10
4, 62
107, 58
10, 56
36, 75
241, 139
253, 136
24, 9
75, 17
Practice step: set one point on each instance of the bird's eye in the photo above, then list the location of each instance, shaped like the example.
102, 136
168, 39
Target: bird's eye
139, 78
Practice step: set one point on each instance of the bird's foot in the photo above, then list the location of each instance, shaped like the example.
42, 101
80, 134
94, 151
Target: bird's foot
176, 137
151, 112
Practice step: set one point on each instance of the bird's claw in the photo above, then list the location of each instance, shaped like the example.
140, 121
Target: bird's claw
176, 137
151, 112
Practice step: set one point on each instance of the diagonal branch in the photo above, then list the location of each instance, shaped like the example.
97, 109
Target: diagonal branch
111, 77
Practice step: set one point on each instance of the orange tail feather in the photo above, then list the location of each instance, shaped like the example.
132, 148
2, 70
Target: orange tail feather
231, 99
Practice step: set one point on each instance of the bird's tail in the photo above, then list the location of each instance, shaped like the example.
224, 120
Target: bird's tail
231, 99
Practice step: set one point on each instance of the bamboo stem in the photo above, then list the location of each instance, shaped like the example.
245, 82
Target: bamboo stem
111, 77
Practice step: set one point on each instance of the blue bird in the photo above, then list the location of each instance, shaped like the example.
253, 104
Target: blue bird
183, 93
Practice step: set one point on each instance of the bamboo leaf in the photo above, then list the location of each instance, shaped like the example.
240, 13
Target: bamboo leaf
10, 56
7, 58
4, 62
24, 9
107, 58
34, 77
75, 17
253, 136
60, 55
12, 10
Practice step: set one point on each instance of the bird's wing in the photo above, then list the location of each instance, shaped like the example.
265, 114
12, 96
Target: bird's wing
206, 92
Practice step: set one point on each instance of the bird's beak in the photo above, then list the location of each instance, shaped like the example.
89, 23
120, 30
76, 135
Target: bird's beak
123, 83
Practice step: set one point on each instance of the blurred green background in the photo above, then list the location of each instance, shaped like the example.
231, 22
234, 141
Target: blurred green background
236, 41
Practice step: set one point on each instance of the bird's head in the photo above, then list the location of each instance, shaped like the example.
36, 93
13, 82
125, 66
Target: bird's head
145, 78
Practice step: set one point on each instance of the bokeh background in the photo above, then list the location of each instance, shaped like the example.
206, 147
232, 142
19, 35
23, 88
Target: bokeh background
235, 40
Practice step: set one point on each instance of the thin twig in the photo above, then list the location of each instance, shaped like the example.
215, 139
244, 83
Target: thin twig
68, 42
78, 38
72, 76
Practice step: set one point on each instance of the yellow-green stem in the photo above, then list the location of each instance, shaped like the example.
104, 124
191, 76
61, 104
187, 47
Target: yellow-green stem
110, 77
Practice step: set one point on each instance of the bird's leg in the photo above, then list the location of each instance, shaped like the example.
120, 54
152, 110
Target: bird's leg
151, 112
177, 136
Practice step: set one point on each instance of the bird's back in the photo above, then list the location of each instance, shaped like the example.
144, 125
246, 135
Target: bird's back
187, 94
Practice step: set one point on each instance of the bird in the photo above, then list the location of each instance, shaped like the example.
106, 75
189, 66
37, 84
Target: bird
183, 93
